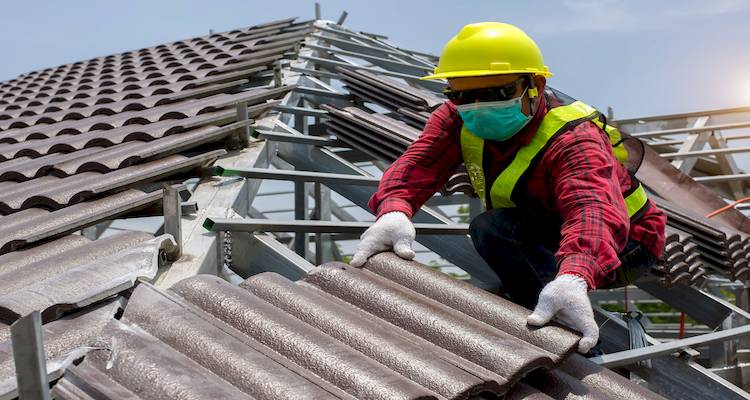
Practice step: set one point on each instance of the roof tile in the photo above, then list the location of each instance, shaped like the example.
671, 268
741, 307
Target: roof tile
341, 333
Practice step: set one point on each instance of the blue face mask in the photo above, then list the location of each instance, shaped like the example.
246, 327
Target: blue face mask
494, 120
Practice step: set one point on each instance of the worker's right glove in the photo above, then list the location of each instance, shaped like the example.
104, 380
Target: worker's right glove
566, 299
392, 230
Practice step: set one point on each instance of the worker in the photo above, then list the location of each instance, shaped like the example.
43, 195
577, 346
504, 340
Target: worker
564, 214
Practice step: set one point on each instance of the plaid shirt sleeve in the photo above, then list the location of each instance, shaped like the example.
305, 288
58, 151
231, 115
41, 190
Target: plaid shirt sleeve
584, 180
425, 166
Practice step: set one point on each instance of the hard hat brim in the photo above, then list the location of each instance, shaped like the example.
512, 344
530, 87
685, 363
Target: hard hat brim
465, 74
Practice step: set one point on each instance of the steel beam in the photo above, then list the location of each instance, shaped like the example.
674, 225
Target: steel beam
709, 128
676, 142
455, 199
307, 226
703, 307
616, 295
323, 211
278, 77
172, 209
358, 46
342, 17
243, 132
256, 253
341, 31
300, 211
299, 176
727, 165
628, 357
398, 66
376, 36
722, 178
29, 357
673, 377
668, 117
457, 250
323, 93
332, 64
429, 58
93, 232
294, 138
301, 111
314, 72
695, 141
706, 152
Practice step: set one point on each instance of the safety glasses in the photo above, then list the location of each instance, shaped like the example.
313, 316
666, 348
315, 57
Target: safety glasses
498, 93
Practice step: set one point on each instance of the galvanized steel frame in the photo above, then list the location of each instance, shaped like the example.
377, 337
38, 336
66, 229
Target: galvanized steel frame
683, 138
632, 356
29, 357
675, 377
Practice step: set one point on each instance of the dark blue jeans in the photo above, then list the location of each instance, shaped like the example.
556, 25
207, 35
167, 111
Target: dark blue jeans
521, 250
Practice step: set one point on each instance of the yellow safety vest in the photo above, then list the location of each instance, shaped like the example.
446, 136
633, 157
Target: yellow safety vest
559, 119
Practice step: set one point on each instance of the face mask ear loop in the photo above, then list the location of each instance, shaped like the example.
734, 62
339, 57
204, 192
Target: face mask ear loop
534, 97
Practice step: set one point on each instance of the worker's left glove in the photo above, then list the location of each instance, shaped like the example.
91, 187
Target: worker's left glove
565, 298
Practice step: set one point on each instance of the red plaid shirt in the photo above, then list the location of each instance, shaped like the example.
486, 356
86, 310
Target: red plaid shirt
578, 178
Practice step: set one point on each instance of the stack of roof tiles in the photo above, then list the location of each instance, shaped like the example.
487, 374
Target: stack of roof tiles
413, 104
680, 263
395, 330
377, 135
386, 137
719, 247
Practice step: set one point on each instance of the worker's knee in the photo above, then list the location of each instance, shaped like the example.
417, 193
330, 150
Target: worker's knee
479, 225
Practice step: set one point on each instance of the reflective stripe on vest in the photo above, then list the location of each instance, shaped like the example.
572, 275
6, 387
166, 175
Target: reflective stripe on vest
636, 200
558, 119
472, 148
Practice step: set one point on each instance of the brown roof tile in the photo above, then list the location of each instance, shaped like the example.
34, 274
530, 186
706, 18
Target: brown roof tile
61, 337
78, 276
344, 332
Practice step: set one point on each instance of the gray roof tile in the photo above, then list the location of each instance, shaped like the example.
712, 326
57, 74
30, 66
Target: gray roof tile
342, 332
80, 276
60, 337
51, 192
36, 224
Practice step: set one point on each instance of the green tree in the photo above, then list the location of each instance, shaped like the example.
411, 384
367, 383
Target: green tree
463, 214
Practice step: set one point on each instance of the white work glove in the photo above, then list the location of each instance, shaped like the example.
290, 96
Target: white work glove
565, 299
392, 230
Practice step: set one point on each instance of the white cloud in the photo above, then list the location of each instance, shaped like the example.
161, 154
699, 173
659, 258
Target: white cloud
632, 15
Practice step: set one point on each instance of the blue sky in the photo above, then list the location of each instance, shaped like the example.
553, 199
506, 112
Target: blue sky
640, 57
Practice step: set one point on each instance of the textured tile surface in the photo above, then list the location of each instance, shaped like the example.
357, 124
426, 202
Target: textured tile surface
35, 224
80, 142
74, 136
61, 339
393, 330
62, 279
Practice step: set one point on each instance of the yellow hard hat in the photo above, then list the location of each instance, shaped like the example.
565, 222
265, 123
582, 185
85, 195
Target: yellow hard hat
490, 48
